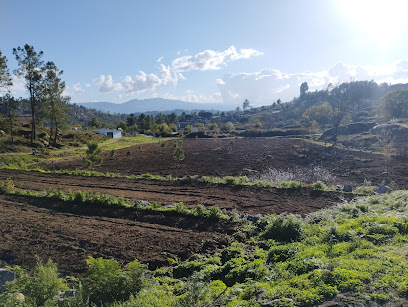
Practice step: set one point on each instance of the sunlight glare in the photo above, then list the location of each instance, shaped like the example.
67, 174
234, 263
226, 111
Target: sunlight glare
381, 21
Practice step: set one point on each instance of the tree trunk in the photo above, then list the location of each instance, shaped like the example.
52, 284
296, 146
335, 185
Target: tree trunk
56, 134
50, 139
11, 128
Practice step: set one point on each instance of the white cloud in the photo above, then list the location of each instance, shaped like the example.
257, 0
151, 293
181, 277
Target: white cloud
106, 84
18, 87
266, 86
77, 87
169, 75
141, 83
211, 60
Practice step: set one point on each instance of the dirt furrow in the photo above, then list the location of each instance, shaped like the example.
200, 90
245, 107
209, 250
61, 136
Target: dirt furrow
29, 229
246, 199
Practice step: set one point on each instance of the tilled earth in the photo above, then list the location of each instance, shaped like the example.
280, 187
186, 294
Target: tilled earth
244, 199
69, 233
32, 227
246, 156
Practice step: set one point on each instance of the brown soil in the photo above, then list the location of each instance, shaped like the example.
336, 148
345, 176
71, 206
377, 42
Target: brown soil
33, 227
244, 199
248, 156
69, 233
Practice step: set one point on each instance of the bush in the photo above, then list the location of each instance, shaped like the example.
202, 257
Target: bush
280, 253
93, 154
283, 228
7, 187
41, 288
178, 154
106, 282
319, 186
291, 185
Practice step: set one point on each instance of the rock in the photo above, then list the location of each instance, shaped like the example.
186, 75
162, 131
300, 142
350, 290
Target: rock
18, 297
383, 189
144, 203
260, 293
5, 276
2, 133
348, 188
354, 128
278, 302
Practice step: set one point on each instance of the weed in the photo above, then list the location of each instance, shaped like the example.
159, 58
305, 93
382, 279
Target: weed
7, 187
319, 186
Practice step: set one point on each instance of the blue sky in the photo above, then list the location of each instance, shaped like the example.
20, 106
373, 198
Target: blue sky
209, 51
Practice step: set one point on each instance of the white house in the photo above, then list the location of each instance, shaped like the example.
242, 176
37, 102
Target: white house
114, 134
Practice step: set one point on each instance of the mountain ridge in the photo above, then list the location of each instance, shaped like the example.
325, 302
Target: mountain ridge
154, 105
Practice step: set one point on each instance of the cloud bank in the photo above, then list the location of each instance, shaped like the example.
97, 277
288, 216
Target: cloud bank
267, 85
142, 82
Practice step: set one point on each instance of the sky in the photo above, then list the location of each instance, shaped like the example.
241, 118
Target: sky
208, 51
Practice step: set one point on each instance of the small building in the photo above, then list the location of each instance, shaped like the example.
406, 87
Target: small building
114, 134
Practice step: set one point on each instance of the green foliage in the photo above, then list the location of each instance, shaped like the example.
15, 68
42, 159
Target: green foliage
394, 104
283, 228
291, 185
92, 154
7, 187
106, 282
319, 113
319, 186
39, 289
178, 154
356, 250
229, 127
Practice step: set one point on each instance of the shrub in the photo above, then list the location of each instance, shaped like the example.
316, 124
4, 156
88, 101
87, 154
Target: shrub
283, 228
214, 212
291, 185
7, 186
319, 186
93, 154
112, 153
178, 154
41, 288
200, 211
280, 253
106, 282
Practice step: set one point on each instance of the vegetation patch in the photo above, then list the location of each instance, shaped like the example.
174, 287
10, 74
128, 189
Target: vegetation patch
355, 249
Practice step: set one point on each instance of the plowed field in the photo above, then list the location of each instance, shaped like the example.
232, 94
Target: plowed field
245, 199
69, 233
33, 227
218, 157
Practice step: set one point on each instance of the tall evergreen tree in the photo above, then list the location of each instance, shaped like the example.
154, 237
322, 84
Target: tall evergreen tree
5, 78
54, 104
8, 103
30, 65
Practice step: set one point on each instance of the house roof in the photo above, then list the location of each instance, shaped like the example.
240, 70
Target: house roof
105, 130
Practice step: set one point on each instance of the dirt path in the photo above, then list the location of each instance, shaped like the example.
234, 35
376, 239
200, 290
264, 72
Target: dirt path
245, 199
33, 227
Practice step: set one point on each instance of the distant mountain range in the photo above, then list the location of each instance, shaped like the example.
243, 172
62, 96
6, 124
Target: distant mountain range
154, 104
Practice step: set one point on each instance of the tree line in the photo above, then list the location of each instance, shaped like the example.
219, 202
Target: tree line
45, 89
